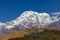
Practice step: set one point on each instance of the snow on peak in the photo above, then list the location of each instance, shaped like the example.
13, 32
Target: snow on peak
31, 19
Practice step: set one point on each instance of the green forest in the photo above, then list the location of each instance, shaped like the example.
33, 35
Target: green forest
45, 35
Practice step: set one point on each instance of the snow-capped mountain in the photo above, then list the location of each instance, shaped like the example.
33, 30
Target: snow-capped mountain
53, 26
28, 19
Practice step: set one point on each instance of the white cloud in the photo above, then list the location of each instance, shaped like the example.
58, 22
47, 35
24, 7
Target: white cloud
56, 13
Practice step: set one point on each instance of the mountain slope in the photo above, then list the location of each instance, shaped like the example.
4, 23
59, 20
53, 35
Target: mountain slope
21, 33
45, 35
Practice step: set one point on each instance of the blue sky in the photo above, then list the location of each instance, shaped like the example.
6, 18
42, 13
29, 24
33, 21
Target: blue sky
11, 9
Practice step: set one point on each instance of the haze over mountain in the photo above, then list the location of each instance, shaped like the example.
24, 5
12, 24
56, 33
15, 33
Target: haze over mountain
29, 19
